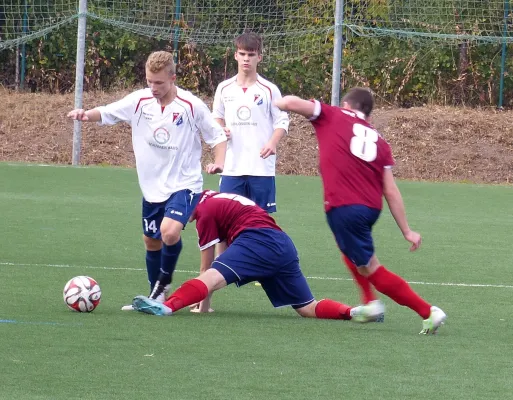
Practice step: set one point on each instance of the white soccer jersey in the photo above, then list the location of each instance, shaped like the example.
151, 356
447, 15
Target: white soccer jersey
252, 118
166, 140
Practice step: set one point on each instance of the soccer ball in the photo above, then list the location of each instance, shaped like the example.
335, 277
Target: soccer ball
82, 294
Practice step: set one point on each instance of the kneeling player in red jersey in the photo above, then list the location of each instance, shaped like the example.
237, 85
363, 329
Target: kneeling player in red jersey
356, 169
258, 250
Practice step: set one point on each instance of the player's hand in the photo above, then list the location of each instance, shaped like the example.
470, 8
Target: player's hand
227, 132
268, 150
213, 168
201, 307
78, 114
198, 310
414, 238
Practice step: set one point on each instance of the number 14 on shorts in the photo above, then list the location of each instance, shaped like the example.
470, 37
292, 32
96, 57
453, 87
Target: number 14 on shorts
152, 226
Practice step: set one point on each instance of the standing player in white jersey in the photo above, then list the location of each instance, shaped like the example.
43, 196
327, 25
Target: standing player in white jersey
166, 125
244, 106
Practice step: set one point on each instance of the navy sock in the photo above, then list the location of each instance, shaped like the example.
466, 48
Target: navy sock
168, 262
153, 260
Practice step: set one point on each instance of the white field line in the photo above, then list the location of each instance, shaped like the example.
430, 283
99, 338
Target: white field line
321, 278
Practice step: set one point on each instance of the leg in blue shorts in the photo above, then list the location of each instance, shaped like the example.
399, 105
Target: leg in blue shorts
352, 228
260, 189
162, 225
264, 254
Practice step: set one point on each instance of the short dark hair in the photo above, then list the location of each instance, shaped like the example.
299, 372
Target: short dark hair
360, 99
249, 41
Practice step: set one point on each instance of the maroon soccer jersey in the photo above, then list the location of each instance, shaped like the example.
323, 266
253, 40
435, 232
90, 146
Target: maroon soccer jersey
223, 216
352, 158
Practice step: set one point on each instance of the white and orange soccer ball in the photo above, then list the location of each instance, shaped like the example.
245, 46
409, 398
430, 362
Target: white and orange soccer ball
82, 294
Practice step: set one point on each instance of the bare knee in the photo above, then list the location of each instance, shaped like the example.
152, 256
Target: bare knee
170, 231
152, 244
170, 238
370, 268
307, 311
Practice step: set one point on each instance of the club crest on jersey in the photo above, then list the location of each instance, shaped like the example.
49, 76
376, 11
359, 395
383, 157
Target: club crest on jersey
161, 136
258, 100
177, 119
244, 113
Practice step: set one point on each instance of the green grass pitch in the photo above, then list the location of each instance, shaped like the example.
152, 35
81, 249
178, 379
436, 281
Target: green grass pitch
59, 222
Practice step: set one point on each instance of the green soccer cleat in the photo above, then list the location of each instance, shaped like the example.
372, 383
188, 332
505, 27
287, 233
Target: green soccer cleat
436, 319
373, 311
148, 306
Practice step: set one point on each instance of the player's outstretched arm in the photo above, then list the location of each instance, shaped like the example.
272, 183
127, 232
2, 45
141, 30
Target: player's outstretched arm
79, 114
296, 105
396, 205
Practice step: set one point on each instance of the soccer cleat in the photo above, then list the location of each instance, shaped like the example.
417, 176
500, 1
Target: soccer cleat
436, 319
374, 311
149, 306
159, 292
162, 293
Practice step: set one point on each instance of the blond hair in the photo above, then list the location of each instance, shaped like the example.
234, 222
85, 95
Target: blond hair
159, 60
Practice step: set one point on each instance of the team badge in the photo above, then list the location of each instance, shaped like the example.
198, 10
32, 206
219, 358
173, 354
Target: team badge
258, 99
177, 118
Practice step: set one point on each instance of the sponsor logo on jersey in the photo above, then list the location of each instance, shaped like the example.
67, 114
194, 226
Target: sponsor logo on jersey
147, 116
177, 118
244, 113
161, 136
259, 100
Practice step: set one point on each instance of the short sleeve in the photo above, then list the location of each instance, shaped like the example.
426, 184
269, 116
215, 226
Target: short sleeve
218, 106
280, 118
208, 234
121, 110
388, 159
321, 117
212, 132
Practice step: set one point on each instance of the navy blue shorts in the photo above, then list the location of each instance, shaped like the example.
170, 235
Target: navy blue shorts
179, 207
352, 227
270, 257
260, 189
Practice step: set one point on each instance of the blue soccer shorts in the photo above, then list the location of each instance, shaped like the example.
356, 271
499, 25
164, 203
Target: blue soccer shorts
352, 227
270, 257
260, 189
179, 207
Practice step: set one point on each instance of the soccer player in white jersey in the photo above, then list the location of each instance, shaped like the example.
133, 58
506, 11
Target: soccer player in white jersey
166, 125
244, 106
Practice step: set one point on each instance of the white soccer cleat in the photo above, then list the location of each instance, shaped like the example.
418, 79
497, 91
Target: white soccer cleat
128, 307
373, 311
436, 320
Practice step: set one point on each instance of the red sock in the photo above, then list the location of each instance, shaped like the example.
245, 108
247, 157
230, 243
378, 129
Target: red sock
398, 290
192, 291
366, 293
331, 309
